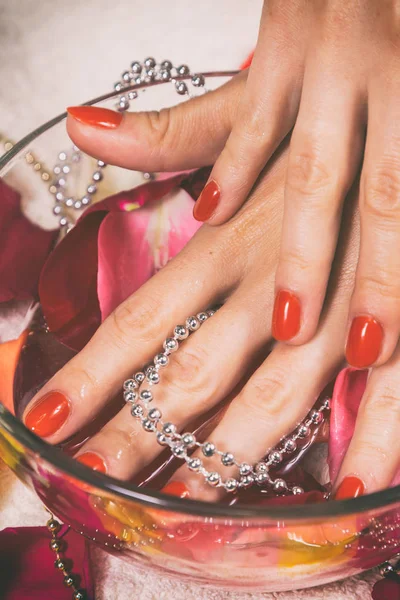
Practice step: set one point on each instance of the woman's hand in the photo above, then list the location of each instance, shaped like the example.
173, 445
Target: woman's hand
331, 70
234, 263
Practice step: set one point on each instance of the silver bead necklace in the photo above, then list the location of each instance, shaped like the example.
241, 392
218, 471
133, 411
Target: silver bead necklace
137, 391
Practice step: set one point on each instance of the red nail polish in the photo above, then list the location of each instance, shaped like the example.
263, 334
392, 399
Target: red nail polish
207, 202
48, 414
93, 461
351, 487
95, 116
176, 488
286, 316
364, 342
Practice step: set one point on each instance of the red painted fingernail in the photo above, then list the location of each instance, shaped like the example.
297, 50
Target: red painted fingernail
48, 414
364, 342
207, 202
286, 316
93, 461
351, 487
176, 488
95, 116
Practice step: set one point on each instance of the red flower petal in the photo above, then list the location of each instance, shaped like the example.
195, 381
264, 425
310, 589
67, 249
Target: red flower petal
24, 248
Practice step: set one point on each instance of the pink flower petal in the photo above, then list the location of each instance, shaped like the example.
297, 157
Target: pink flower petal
132, 247
24, 248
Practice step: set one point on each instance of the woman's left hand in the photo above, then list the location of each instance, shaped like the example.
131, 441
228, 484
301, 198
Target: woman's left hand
331, 70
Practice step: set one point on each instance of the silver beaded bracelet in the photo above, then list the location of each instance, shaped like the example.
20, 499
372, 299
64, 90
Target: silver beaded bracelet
138, 393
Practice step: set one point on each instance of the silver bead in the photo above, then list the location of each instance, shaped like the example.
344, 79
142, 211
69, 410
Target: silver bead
387, 569
211, 312
61, 182
213, 478
153, 377
181, 88
69, 202
126, 76
146, 395
63, 221
136, 410
57, 210
91, 189
59, 197
139, 377
279, 485
86, 200
118, 87
246, 481
169, 429
77, 204
130, 396
303, 431
194, 464
130, 384
148, 425
101, 164
62, 156
262, 478
183, 70
192, 323
289, 446
245, 469
161, 359
198, 80
179, 451
231, 485
162, 439
326, 404
227, 459
297, 490
123, 105
316, 417
78, 595
150, 62
166, 64
170, 345
181, 332
57, 170
154, 414
132, 95
66, 169
208, 449
261, 467
97, 176
188, 440
151, 74
165, 75
275, 457
136, 67
202, 316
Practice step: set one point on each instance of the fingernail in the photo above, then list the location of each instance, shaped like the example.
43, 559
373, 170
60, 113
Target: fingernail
207, 202
364, 342
93, 461
286, 316
95, 116
48, 414
176, 488
351, 487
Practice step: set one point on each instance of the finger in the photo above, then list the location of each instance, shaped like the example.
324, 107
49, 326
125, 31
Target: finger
373, 457
188, 135
265, 115
128, 338
374, 314
324, 154
190, 385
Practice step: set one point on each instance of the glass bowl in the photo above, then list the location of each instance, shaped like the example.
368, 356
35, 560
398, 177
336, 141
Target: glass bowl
252, 547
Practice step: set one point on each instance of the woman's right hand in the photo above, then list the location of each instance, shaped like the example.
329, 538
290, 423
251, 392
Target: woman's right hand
233, 263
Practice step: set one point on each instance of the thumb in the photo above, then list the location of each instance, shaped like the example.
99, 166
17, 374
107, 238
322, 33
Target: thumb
189, 135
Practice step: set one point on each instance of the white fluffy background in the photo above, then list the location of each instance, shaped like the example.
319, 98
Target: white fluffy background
60, 52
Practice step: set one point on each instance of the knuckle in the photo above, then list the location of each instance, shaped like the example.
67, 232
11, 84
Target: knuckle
292, 259
381, 405
307, 174
188, 373
82, 377
265, 394
382, 283
161, 130
381, 193
134, 321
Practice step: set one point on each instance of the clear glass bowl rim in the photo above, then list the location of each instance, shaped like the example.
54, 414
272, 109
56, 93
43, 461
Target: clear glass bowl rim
195, 508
